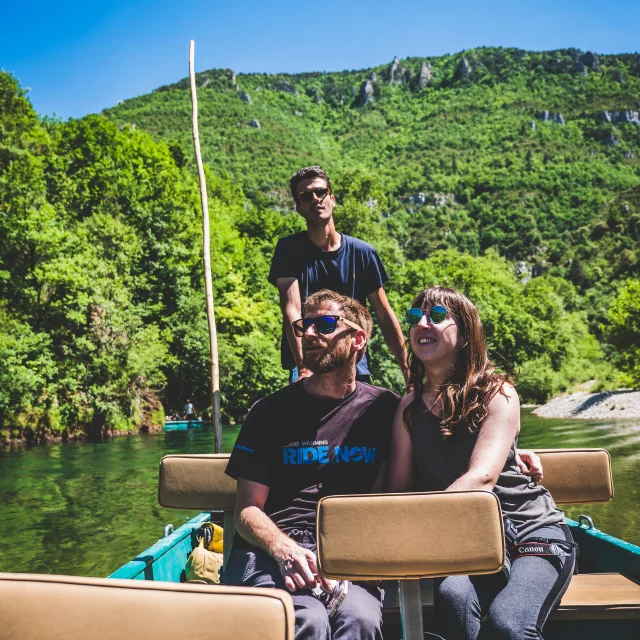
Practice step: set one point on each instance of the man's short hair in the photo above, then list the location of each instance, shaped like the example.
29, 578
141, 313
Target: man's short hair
304, 174
350, 309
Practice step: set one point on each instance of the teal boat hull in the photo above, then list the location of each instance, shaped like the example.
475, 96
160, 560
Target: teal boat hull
599, 553
165, 560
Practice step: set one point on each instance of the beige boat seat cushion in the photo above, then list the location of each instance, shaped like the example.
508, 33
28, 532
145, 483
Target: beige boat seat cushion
575, 476
410, 535
196, 482
36, 607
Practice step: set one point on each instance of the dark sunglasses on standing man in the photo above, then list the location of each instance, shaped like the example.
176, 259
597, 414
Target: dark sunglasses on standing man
320, 192
435, 315
323, 324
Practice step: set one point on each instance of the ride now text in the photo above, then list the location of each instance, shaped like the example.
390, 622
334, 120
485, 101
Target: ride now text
322, 455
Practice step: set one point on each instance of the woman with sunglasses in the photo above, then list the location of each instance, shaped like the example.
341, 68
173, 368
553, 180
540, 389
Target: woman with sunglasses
458, 431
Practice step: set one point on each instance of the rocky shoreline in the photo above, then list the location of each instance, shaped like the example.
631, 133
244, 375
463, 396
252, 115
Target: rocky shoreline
604, 405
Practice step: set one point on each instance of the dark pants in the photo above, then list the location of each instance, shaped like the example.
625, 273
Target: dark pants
516, 612
359, 616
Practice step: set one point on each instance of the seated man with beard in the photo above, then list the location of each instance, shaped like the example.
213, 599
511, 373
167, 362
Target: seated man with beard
324, 435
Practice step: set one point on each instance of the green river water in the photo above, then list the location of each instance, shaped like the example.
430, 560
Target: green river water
87, 508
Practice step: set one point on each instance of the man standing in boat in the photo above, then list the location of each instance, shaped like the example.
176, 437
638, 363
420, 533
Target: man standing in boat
321, 258
326, 435
189, 411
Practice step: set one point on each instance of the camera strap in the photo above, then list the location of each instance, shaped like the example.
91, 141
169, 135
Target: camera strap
543, 547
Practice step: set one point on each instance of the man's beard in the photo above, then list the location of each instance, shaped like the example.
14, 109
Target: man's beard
333, 358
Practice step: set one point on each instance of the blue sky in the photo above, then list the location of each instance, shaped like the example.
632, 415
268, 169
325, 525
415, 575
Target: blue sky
80, 57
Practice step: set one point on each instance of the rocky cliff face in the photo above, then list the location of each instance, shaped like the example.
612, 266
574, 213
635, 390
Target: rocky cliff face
590, 60
393, 71
425, 76
367, 91
620, 117
397, 73
469, 66
546, 116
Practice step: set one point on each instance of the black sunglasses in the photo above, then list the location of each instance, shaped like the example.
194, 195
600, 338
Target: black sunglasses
323, 324
320, 192
436, 315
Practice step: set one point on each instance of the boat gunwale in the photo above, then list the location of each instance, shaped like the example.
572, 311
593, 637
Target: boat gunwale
132, 569
604, 537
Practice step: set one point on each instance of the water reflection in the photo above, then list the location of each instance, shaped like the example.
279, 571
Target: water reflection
87, 508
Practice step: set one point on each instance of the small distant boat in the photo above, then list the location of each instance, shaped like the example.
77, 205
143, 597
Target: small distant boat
183, 425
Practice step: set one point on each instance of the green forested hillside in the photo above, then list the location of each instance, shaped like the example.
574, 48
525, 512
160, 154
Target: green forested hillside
519, 189
512, 175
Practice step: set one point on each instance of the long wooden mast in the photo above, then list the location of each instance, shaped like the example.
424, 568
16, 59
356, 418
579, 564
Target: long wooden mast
206, 256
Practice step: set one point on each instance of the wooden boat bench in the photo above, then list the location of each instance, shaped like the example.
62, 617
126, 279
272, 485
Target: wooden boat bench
583, 476
55, 607
573, 476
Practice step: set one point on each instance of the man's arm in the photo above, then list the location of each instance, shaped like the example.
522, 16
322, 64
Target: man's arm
390, 328
296, 564
291, 305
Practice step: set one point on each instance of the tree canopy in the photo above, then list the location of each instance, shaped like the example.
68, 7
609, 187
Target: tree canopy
511, 175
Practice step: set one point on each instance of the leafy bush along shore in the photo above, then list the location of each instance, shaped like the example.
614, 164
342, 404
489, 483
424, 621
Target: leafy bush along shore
459, 169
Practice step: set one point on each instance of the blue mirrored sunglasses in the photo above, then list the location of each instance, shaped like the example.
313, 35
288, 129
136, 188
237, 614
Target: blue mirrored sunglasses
323, 324
435, 315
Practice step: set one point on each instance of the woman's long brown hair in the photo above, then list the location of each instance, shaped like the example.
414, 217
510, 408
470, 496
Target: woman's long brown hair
466, 394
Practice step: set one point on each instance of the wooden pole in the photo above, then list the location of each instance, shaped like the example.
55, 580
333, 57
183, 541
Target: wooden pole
206, 256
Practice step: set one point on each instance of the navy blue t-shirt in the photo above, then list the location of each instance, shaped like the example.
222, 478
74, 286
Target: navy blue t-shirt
354, 270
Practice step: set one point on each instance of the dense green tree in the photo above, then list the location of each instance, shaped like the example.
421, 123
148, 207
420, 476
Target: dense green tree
102, 318
623, 329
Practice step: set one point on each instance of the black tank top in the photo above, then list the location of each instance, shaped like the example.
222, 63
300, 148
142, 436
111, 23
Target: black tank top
441, 461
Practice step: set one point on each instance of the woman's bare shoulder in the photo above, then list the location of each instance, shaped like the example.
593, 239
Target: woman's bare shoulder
406, 401
506, 399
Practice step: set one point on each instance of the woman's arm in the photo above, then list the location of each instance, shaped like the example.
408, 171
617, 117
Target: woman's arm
400, 477
495, 438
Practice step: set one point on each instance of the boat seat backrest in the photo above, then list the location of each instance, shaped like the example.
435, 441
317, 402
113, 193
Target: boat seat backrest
196, 482
410, 536
576, 476
199, 481
53, 607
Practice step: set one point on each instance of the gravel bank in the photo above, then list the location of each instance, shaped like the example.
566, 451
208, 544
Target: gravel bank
605, 405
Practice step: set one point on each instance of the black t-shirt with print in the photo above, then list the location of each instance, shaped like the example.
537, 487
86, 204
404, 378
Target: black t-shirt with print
304, 448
